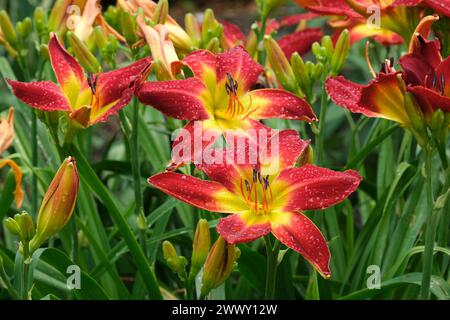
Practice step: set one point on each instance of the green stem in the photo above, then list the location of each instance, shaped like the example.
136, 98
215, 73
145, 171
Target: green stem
272, 266
26, 268
321, 132
34, 161
430, 228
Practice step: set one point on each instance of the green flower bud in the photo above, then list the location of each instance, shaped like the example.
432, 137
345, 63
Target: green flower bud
213, 45
281, 66
26, 225
12, 226
437, 121
218, 266
327, 46
211, 28
340, 52
176, 263
8, 29
200, 247
161, 12
128, 24
40, 21
193, 28
83, 54
24, 27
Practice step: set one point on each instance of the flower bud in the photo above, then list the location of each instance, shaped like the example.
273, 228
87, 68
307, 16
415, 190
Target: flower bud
58, 204
40, 21
340, 52
24, 27
83, 54
161, 12
12, 226
176, 263
128, 25
218, 265
437, 121
8, 29
211, 28
200, 247
280, 65
193, 28
57, 18
213, 45
270, 5
26, 226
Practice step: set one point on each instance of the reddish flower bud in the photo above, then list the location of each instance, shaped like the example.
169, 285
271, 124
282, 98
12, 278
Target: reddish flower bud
58, 204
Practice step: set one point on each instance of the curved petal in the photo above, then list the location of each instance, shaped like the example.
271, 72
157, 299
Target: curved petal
300, 41
232, 34
382, 97
329, 7
297, 18
415, 69
43, 95
18, 192
346, 94
297, 232
313, 188
69, 73
6, 130
276, 103
180, 99
441, 6
201, 62
283, 151
207, 195
244, 227
430, 100
238, 63
115, 89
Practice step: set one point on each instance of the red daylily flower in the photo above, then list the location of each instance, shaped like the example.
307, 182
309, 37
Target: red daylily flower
220, 96
396, 16
298, 41
425, 74
87, 100
267, 198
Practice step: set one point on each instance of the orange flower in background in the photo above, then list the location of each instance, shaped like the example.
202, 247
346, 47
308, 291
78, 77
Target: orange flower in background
79, 16
398, 18
6, 139
179, 37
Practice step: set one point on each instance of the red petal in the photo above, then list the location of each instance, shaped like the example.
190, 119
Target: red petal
290, 149
118, 87
238, 63
346, 93
69, 73
415, 69
43, 95
199, 61
276, 103
233, 34
300, 41
329, 7
239, 228
297, 232
441, 6
297, 18
430, 100
314, 188
207, 195
179, 99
